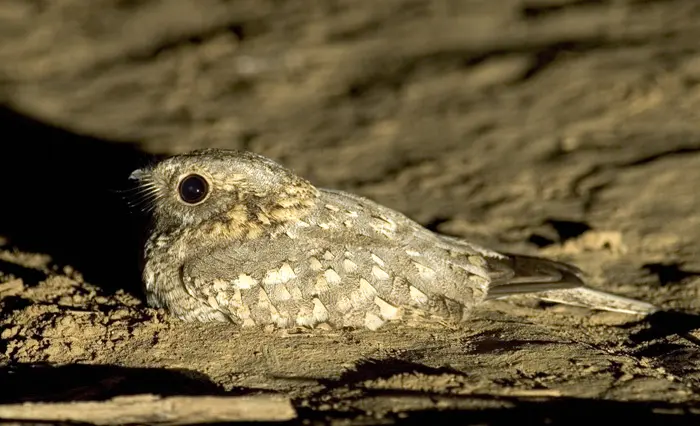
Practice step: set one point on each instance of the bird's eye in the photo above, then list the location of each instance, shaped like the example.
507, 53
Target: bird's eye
193, 189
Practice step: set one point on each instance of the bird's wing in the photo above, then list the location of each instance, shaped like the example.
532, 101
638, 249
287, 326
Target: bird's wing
517, 274
343, 275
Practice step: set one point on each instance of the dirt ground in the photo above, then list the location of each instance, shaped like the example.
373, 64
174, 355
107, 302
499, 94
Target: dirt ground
565, 128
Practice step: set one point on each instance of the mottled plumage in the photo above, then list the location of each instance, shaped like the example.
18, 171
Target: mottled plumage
236, 237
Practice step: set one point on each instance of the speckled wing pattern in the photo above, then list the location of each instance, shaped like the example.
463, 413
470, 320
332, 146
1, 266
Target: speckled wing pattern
350, 263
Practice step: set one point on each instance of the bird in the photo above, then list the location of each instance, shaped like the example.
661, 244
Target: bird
236, 237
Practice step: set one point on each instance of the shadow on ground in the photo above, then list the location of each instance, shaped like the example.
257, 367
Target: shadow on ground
97, 382
61, 196
101, 382
562, 411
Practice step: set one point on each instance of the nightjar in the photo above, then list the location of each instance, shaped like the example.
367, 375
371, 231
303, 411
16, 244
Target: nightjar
237, 237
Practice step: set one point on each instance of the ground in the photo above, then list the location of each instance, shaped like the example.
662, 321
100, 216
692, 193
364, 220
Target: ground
562, 128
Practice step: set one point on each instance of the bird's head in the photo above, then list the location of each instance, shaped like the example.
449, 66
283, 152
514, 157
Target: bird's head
235, 193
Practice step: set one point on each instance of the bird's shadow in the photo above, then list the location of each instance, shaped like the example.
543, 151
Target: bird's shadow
61, 196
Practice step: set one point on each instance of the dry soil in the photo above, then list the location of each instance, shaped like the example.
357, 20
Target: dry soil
564, 128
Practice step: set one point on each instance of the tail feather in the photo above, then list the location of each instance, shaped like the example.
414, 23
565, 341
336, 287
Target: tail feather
590, 298
518, 274
556, 282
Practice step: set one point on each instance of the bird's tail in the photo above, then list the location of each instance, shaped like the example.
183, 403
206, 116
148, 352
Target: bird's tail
556, 282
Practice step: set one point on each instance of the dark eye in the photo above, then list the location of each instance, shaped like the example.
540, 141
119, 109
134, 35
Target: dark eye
193, 189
